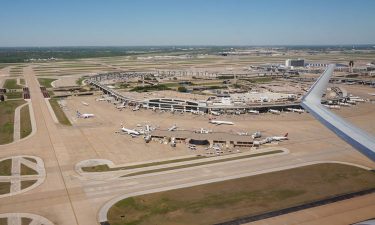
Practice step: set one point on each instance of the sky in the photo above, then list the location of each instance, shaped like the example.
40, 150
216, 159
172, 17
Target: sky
185, 22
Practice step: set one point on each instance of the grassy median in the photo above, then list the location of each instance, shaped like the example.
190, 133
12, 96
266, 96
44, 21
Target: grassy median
223, 201
46, 82
26, 128
6, 167
11, 84
7, 120
61, 117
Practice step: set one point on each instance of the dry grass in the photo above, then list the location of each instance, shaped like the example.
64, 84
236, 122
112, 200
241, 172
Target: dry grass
25, 121
223, 201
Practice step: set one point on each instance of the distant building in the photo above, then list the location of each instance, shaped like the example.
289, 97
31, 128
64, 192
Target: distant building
295, 62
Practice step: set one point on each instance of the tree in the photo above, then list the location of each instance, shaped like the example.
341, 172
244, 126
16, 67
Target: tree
182, 89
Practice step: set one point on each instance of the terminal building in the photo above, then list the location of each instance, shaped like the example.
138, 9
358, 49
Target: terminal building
294, 63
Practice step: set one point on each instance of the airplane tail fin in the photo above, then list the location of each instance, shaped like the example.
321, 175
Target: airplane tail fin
286, 135
78, 114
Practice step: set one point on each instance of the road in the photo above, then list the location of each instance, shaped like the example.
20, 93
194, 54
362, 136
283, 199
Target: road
66, 198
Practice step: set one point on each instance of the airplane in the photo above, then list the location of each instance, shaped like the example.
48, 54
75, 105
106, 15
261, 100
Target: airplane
84, 115
279, 138
129, 131
85, 103
203, 131
357, 99
296, 110
372, 94
344, 104
173, 128
257, 134
274, 111
242, 133
352, 102
220, 122
254, 112
215, 113
332, 106
358, 138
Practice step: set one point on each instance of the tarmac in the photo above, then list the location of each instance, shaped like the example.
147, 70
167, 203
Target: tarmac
67, 198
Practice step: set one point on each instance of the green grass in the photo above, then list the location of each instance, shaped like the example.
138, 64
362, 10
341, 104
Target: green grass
25, 170
25, 221
7, 119
202, 163
27, 183
14, 95
46, 82
222, 201
11, 84
105, 168
4, 188
25, 121
159, 87
6, 167
3, 221
59, 112
22, 81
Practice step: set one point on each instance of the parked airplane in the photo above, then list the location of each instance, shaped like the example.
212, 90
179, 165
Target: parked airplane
257, 134
129, 131
215, 113
372, 94
84, 115
280, 138
296, 110
85, 103
254, 111
173, 128
332, 106
344, 104
274, 111
203, 131
220, 122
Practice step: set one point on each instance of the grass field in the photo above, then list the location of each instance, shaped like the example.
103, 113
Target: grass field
22, 81
6, 167
14, 95
202, 163
46, 82
105, 168
223, 201
11, 84
4, 188
7, 119
59, 112
25, 170
25, 121
27, 183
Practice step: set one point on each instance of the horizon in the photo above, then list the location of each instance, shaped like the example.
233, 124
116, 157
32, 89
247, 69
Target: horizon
169, 23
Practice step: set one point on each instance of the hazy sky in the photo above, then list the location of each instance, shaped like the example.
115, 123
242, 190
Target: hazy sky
186, 22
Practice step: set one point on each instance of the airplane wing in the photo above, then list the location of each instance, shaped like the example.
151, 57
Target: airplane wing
359, 139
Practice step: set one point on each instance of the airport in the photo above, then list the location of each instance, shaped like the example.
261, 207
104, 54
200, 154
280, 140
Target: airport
98, 132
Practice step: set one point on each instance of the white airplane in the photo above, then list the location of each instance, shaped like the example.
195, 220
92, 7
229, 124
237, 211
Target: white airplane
173, 128
85, 103
357, 99
274, 111
372, 94
203, 131
129, 131
254, 112
257, 134
332, 106
242, 133
84, 115
296, 110
279, 138
344, 104
215, 113
220, 122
